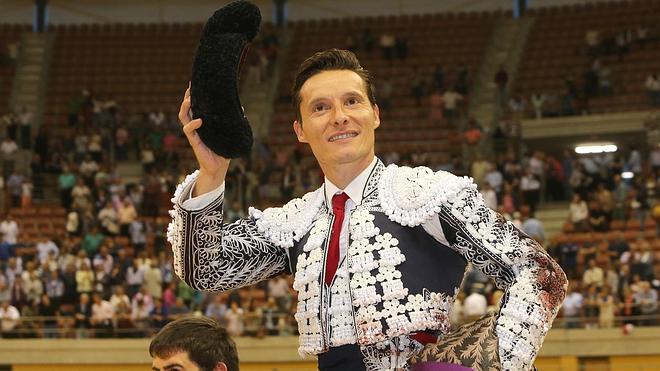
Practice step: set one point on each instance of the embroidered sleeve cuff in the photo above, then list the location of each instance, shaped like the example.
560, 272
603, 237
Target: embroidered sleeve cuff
190, 203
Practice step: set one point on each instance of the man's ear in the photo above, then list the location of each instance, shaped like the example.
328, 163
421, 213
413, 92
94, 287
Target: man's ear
297, 127
377, 116
220, 367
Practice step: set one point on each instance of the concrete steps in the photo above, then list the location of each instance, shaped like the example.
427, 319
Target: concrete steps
553, 215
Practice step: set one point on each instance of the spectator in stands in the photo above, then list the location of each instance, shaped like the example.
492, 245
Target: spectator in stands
8, 148
647, 300
159, 315
217, 309
134, 277
386, 43
590, 306
531, 225
157, 118
25, 118
44, 247
178, 310
572, 307
517, 107
9, 320
195, 344
475, 304
634, 162
9, 229
592, 41
92, 240
579, 214
102, 316
538, 100
127, 215
652, 86
597, 217
153, 280
606, 308
489, 195
84, 279
5, 290
14, 186
19, 296
501, 85
278, 288
83, 315
451, 100
593, 276
234, 320
530, 185
618, 247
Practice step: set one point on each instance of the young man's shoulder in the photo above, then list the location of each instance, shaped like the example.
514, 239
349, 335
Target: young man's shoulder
411, 195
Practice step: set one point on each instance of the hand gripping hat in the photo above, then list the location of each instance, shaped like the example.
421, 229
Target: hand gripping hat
214, 88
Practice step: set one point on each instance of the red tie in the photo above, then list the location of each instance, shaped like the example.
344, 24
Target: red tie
332, 260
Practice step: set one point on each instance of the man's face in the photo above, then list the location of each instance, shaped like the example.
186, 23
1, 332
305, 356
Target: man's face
180, 362
338, 120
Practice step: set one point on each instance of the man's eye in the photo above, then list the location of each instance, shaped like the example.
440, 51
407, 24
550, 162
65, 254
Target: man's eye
319, 107
351, 101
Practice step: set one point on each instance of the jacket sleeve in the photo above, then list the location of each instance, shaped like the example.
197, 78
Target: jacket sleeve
534, 284
210, 255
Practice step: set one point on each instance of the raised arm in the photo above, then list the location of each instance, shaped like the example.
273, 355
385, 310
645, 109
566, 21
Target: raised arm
212, 256
208, 254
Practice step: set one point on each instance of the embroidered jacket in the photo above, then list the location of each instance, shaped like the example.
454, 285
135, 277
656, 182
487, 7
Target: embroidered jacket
399, 276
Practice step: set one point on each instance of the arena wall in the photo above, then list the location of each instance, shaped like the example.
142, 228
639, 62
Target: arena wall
565, 350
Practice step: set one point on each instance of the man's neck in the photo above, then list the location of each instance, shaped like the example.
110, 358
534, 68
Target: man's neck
341, 175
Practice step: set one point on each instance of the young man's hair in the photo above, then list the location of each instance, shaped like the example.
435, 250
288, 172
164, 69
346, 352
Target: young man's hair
328, 60
202, 338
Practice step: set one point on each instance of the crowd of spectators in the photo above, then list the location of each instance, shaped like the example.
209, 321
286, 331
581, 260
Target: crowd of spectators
109, 272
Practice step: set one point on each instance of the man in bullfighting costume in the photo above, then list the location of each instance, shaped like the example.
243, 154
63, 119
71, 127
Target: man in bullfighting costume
378, 253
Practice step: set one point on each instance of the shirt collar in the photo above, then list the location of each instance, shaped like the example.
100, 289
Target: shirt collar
354, 189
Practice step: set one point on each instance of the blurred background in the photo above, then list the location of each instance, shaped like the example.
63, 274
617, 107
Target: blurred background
550, 105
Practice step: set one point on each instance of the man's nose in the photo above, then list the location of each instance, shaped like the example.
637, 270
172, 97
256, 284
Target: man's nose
340, 117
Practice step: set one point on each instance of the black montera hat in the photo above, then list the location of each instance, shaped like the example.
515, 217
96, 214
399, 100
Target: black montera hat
214, 88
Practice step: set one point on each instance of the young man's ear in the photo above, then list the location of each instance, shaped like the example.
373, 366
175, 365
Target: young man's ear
220, 367
377, 116
297, 127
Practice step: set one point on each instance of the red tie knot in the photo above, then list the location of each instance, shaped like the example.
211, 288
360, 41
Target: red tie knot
339, 202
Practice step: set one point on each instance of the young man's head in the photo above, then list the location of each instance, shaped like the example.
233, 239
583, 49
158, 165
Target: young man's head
193, 344
336, 111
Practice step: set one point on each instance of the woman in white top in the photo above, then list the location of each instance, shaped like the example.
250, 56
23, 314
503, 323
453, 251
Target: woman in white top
579, 213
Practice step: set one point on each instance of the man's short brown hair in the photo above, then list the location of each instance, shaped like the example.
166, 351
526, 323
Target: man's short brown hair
328, 60
202, 338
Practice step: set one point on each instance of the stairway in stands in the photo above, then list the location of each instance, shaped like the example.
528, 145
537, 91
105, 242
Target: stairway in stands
553, 215
28, 91
505, 48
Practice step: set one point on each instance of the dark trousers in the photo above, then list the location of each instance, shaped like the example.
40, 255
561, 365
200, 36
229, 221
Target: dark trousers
343, 358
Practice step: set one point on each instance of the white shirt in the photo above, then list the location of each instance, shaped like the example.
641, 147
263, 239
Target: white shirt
9, 318
572, 304
8, 147
9, 230
43, 248
102, 311
475, 305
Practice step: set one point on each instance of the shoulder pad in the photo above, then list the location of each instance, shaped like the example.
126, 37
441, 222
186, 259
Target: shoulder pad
411, 196
289, 223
